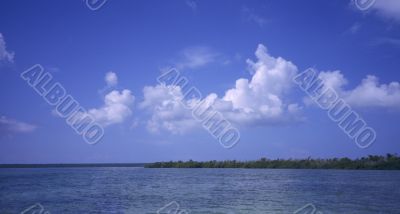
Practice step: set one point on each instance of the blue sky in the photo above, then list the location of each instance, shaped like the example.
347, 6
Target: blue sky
239, 54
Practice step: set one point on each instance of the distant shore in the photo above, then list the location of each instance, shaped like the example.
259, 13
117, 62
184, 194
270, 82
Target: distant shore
371, 162
72, 165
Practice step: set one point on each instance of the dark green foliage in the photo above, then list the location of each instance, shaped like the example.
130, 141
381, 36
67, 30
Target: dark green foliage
390, 161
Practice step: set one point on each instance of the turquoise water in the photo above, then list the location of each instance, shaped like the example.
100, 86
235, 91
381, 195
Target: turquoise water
139, 190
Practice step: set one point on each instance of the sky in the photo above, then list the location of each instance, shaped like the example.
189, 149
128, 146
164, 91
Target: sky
241, 56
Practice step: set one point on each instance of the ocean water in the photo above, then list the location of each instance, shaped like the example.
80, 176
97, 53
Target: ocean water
140, 190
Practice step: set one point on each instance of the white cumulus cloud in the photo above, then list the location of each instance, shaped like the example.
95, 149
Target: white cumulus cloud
111, 78
115, 109
369, 93
5, 56
256, 101
195, 57
10, 126
261, 100
251, 16
167, 113
117, 104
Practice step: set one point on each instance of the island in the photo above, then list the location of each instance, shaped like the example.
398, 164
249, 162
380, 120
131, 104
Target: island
371, 162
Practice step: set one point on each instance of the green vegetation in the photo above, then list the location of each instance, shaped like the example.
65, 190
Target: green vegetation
390, 162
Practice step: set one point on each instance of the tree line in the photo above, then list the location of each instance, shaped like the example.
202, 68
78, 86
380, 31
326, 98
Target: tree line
389, 162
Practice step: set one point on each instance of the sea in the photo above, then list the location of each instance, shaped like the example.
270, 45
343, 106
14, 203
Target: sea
183, 191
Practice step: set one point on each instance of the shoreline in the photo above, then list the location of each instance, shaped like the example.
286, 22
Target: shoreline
370, 162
